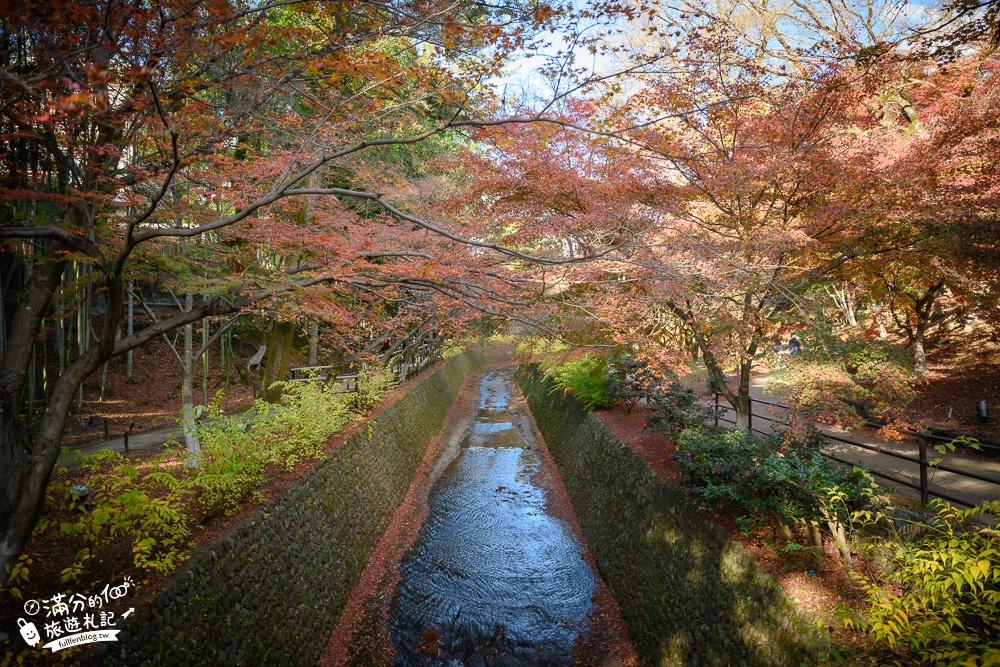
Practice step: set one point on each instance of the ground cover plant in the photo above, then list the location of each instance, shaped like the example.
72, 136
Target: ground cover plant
759, 478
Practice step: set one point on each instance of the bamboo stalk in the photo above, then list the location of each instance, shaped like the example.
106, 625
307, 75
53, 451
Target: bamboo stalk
204, 361
131, 310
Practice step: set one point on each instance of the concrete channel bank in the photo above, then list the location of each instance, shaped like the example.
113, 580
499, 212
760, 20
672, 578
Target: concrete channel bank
688, 594
271, 590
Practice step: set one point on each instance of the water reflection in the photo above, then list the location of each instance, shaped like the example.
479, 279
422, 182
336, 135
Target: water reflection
493, 579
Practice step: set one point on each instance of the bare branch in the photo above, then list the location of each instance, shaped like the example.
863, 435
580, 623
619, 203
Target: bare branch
68, 239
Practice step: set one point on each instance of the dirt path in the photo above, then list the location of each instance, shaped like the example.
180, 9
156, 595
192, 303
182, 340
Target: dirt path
362, 636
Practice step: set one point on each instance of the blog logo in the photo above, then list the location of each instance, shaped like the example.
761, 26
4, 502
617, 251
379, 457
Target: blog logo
75, 619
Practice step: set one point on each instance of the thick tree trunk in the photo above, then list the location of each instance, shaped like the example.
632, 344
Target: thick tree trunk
26, 474
278, 354
21, 463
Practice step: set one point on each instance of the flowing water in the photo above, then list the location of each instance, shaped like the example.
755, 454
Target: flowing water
493, 579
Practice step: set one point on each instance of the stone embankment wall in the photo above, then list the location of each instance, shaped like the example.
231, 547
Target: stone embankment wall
270, 591
688, 594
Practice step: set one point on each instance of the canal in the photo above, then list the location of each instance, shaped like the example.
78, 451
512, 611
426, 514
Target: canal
493, 578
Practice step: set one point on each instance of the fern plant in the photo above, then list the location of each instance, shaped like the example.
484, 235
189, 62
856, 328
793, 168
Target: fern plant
586, 378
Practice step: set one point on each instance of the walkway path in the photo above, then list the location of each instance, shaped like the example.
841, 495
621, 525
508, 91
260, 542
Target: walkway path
962, 488
136, 442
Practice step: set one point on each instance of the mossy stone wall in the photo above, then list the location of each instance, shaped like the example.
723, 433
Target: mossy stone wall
271, 590
688, 594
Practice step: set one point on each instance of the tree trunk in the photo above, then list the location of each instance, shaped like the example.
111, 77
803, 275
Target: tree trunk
815, 539
25, 475
739, 399
923, 308
130, 329
919, 355
21, 500
877, 315
278, 354
188, 426
314, 343
840, 539
205, 360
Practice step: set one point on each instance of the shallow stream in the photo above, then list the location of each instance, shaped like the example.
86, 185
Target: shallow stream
493, 578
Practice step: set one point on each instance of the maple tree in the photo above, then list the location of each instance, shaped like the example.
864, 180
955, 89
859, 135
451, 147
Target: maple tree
721, 178
242, 152
733, 193
934, 190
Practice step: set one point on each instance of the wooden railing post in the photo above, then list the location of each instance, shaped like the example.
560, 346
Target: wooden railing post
716, 408
924, 486
749, 413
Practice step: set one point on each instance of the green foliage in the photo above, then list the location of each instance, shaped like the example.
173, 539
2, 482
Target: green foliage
237, 450
374, 384
147, 509
19, 575
451, 350
942, 599
758, 477
586, 378
631, 380
674, 408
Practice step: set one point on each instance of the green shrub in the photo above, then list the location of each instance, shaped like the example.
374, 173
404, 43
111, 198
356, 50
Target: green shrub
942, 598
756, 477
674, 408
237, 450
631, 380
374, 384
451, 349
586, 378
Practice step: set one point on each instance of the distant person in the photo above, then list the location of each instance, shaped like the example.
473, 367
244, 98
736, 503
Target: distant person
794, 345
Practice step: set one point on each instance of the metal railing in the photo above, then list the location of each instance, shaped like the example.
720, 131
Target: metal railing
923, 462
405, 365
